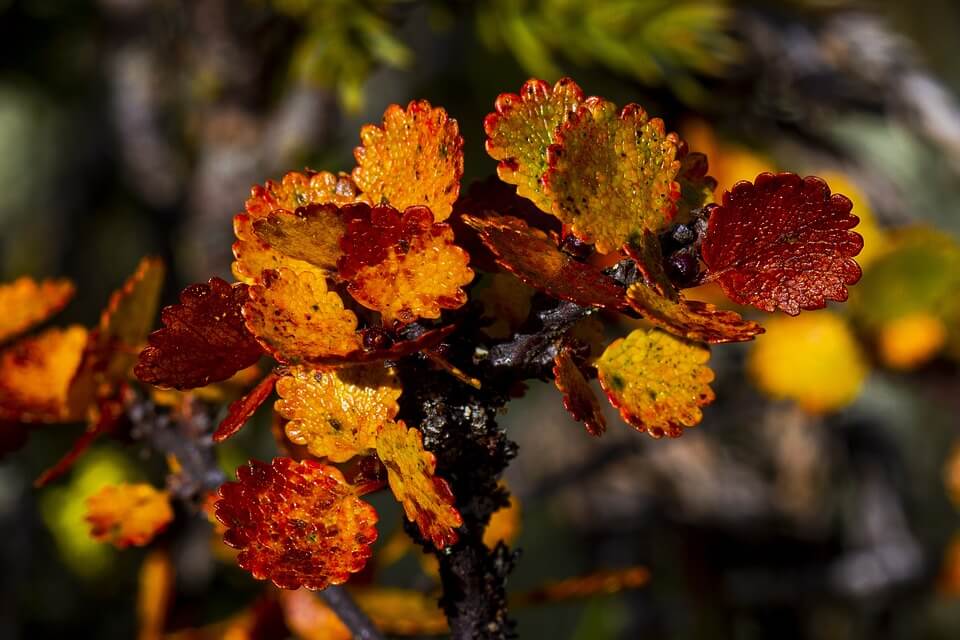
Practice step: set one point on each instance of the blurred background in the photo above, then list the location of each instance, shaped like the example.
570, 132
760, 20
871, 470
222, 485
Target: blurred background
817, 500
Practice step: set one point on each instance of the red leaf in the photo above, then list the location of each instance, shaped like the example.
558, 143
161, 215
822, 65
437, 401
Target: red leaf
204, 339
531, 256
242, 409
578, 397
296, 523
783, 242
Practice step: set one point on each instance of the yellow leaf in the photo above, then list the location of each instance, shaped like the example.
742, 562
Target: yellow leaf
35, 375
426, 498
911, 340
298, 189
337, 413
415, 158
296, 318
311, 234
25, 303
613, 174
812, 359
128, 514
522, 128
658, 382
253, 255
504, 525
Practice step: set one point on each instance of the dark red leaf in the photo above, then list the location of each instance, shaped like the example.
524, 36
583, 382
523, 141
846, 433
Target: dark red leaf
578, 397
783, 242
534, 258
204, 339
242, 409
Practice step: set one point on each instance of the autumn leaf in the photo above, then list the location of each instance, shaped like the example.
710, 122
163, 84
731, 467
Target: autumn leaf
298, 189
405, 266
242, 409
612, 175
578, 398
128, 514
337, 413
537, 261
645, 251
783, 242
296, 318
253, 256
911, 340
36, 374
691, 319
813, 359
25, 303
521, 129
130, 313
311, 234
414, 158
696, 187
296, 523
203, 339
426, 498
657, 381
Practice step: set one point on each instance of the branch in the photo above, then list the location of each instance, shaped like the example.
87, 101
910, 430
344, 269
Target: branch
350, 614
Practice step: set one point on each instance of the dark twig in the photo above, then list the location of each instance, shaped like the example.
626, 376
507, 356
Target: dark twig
350, 614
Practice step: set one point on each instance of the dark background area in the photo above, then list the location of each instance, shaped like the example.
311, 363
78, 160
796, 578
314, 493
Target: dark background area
134, 127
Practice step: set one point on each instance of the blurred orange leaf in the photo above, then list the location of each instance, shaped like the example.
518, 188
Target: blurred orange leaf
128, 514
25, 303
36, 373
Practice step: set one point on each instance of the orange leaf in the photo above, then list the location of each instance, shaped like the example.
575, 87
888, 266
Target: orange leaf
530, 255
658, 382
612, 175
426, 499
337, 413
415, 158
296, 523
242, 409
297, 190
35, 375
691, 319
522, 128
311, 234
203, 339
253, 255
296, 318
784, 243
404, 266
128, 514
24, 303
578, 397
